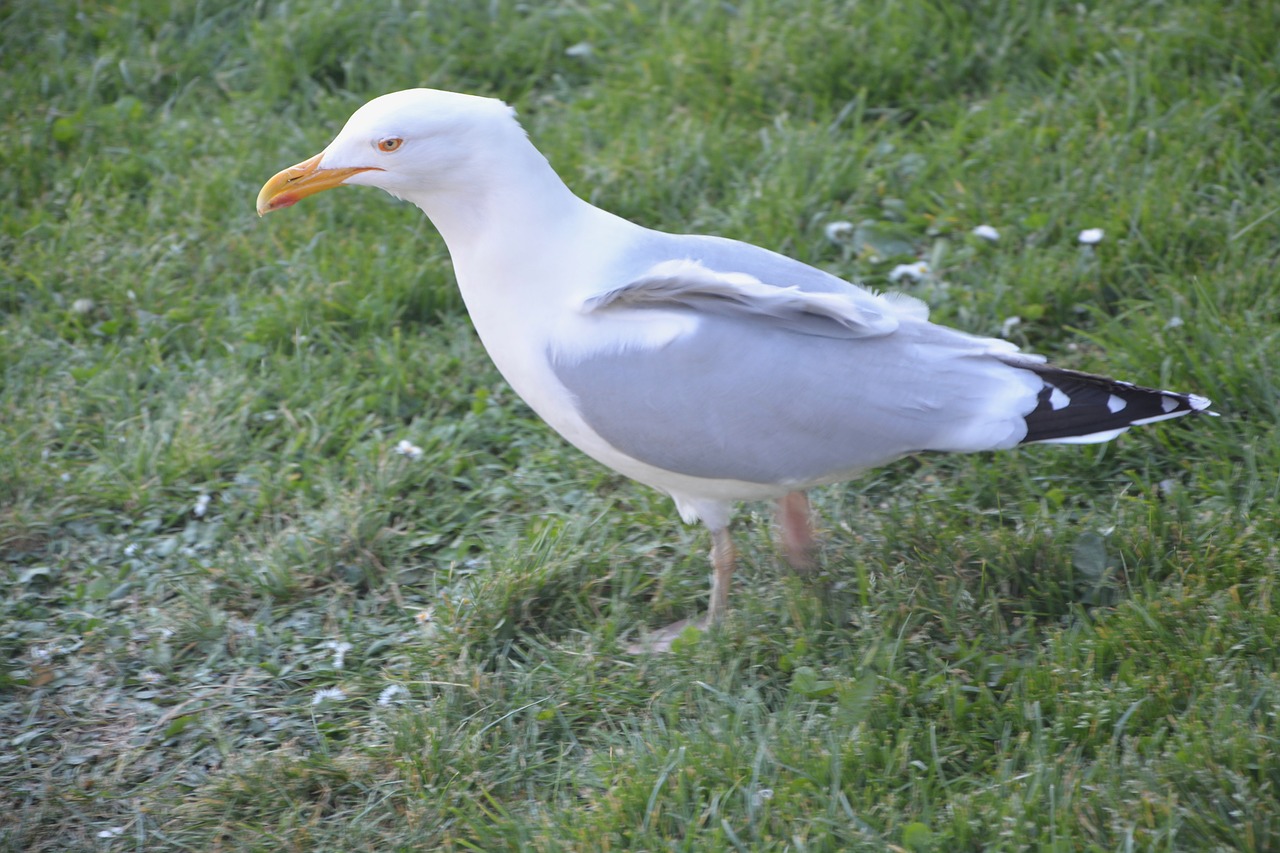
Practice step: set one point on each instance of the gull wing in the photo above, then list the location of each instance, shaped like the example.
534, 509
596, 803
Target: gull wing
689, 284
773, 383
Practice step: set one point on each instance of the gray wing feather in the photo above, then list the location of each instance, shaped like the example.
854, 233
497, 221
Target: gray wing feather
743, 398
789, 375
689, 284
733, 256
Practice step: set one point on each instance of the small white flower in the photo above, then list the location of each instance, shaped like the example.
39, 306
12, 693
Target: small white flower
66, 478
201, 506
82, 306
425, 617
912, 272
150, 676
41, 654
408, 448
762, 796
131, 549
113, 832
1006, 328
986, 232
328, 693
1091, 236
1166, 487
1175, 322
390, 692
838, 231
581, 50
243, 627
340, 650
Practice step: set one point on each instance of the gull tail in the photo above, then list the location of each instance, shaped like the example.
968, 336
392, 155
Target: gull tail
1081, 408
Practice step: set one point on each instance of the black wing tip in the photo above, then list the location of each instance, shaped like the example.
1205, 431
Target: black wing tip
1075, 407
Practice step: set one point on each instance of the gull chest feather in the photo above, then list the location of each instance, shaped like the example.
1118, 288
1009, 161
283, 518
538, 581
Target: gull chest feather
522, 304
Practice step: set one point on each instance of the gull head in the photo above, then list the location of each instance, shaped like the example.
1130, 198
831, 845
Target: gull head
412, 144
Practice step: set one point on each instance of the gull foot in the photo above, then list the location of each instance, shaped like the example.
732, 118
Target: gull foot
661, 640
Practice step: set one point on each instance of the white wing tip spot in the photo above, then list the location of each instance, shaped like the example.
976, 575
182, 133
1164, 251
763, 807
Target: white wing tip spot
1115, 404
1168, 403
1058, 399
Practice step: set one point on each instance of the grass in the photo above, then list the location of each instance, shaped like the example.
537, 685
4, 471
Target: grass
1056, 648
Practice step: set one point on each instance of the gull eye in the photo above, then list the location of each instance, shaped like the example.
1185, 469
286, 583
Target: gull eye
389, 144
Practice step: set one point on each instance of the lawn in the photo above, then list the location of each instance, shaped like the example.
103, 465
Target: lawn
236, 617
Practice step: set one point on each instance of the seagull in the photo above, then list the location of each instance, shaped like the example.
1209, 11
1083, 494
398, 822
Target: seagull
710, 369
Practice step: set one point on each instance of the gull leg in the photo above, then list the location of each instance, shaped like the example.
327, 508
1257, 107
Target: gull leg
723, 557
797, 530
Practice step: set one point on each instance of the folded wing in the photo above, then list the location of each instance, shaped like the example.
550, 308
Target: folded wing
773, 384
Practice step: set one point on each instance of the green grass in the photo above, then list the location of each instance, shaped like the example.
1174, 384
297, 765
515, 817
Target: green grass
1056, 648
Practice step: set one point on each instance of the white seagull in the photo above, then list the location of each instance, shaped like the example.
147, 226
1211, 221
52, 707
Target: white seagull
713, 370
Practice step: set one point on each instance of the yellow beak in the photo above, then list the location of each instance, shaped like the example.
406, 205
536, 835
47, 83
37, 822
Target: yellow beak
297, 182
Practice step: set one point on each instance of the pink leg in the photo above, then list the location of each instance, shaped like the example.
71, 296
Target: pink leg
722, 560
723, 557
797, 530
